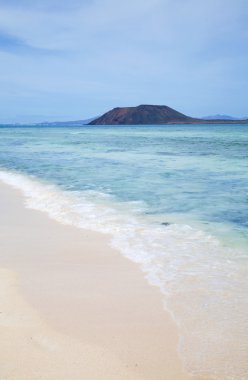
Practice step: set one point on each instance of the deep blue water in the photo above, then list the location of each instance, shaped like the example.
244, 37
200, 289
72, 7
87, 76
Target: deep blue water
200, 171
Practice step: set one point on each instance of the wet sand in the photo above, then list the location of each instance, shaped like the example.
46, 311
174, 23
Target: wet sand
73, 308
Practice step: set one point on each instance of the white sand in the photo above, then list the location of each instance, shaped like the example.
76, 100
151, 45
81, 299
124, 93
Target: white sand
73, 308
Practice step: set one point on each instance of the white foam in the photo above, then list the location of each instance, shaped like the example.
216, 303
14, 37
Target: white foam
204, 283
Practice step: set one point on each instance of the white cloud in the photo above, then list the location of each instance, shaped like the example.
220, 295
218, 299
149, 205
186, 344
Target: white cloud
183, 52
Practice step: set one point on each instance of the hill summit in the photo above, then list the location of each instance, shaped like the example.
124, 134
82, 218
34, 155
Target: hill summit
143, 114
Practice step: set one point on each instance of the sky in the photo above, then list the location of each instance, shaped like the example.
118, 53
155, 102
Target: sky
75, 59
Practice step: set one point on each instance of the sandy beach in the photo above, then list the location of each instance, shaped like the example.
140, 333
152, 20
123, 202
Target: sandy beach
72, 307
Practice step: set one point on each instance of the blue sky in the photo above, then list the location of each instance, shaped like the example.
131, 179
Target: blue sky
69, 60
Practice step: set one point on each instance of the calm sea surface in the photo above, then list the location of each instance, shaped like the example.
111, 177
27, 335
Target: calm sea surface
174, 198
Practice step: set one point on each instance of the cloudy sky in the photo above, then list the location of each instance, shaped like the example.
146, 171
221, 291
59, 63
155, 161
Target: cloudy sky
73, 59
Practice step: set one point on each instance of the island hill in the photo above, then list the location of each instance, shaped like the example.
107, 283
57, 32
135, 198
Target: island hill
152, 114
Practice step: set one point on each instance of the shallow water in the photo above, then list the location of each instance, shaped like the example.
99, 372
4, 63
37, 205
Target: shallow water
175, 199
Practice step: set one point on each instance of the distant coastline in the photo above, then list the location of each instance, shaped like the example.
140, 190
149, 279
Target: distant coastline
141, 115
154, 114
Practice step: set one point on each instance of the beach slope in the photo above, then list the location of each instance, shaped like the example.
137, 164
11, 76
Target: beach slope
73, 308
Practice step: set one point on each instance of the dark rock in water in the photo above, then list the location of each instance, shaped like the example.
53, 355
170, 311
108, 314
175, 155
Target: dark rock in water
165, 224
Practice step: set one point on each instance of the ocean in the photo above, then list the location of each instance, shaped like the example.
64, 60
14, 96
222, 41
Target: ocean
174, 199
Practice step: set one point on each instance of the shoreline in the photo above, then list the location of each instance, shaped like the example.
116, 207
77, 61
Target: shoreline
84, 291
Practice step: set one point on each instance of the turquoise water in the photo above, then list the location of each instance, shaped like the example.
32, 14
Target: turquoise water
174, 198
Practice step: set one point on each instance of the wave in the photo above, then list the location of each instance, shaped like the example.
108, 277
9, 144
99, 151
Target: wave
203, 282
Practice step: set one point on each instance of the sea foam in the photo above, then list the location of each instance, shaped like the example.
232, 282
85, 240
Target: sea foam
203, 282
